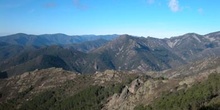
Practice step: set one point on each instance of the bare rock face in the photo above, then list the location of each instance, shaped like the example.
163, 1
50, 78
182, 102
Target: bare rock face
135, 85
139, 92
124, 100
124, 93
108, 75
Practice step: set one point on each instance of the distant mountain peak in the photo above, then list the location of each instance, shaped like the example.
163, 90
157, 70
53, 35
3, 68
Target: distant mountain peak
19, 34
124, 36
56, 34
192, 33
214, 34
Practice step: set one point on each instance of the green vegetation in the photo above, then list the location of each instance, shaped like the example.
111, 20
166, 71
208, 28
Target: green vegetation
9, 105
12, 104
90, 98
44, 101
198, 97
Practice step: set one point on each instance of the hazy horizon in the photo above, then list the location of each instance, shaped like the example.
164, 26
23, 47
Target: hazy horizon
155, 18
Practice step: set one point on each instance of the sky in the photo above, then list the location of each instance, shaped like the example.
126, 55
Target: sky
155, 18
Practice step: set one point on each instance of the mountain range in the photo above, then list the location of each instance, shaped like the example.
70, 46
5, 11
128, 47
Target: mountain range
122, 72
22, 52
51, 39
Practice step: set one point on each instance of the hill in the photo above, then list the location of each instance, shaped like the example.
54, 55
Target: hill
55, 88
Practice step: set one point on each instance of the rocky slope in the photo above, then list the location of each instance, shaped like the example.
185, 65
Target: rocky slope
19, 90
146, 91
114, 90
137, 54
150, 54
191, 45
36, 81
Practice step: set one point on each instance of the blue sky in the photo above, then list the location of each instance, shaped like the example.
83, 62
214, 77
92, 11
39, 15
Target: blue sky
156, 18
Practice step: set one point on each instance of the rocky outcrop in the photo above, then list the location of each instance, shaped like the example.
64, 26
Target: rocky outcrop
112, 76
144, 92
122, 101
135, 85
108, 75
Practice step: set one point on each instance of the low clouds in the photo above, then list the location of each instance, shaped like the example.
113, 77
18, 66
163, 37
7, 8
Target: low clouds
174, 5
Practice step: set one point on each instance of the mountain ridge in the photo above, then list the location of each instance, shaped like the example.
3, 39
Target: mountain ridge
125, 52
51, 39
